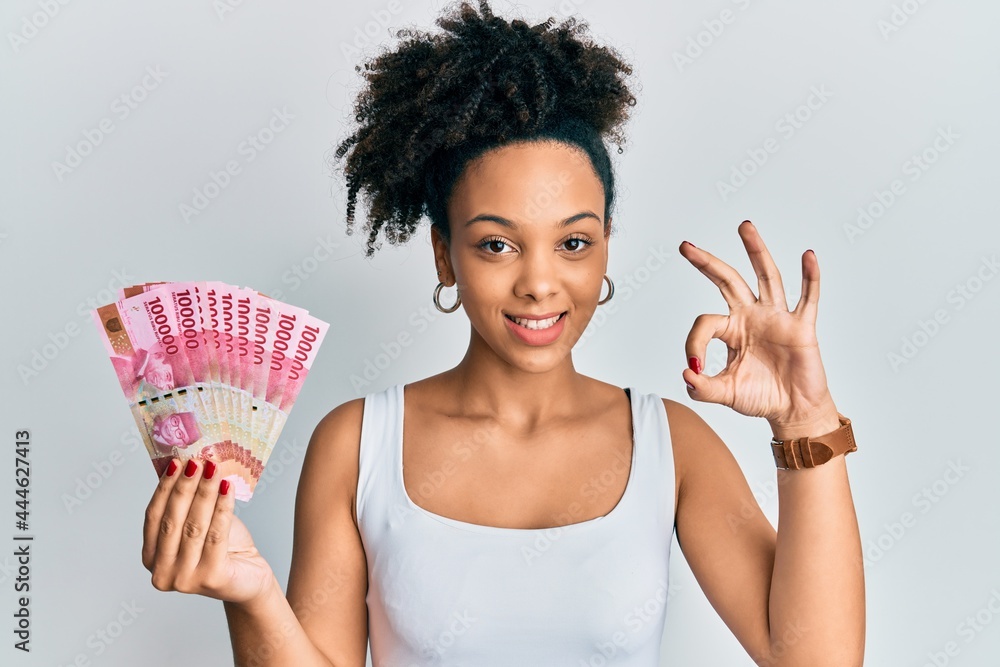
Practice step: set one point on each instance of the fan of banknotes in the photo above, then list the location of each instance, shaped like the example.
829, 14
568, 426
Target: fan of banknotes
210, 370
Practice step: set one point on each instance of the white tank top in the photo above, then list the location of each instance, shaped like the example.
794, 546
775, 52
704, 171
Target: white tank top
447, 592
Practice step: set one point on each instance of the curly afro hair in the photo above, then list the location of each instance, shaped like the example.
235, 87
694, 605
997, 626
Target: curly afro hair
438, 101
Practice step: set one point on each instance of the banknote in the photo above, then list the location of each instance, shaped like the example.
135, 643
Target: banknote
182, 423
209, 370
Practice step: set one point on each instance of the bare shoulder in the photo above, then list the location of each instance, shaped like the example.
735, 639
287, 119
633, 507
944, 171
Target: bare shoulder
700, 455
688, 432
333, 455
328, 578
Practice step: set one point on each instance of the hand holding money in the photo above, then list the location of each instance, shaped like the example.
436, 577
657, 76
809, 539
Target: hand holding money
193, 543
209, 370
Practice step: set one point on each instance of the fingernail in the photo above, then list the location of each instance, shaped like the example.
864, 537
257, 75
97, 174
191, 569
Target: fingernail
694, 365
190, 468
209, 469
224, 487
691, 244
172, 468
690, 386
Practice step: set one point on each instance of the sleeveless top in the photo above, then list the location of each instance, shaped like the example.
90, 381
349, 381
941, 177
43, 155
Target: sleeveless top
447, 592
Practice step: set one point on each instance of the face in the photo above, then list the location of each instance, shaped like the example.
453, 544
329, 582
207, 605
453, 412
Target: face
158, 371
170, 431
528, 239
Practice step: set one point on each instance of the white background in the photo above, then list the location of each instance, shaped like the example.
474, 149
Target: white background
66, 238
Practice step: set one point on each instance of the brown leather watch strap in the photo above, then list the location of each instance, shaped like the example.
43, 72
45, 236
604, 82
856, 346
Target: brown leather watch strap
807, 452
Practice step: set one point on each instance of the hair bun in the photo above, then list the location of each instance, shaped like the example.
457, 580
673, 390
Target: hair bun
483, 79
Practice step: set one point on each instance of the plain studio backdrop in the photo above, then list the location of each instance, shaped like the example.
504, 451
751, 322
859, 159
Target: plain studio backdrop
864, 130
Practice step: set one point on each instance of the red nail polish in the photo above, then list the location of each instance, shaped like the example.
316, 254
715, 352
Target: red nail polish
190, 468
694, 365
172, 468
691, 244
224, 487
209, 469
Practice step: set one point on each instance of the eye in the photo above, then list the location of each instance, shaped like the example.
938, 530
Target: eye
582, 243
490, 243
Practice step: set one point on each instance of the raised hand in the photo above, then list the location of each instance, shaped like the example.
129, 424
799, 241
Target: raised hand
192, 541
773, 369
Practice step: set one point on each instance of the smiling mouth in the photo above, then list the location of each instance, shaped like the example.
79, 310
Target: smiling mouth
536, 325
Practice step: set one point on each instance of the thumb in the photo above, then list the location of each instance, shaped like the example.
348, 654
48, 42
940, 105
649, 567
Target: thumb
705, 388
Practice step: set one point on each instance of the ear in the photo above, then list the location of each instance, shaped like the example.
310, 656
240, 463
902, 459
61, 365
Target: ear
442, 260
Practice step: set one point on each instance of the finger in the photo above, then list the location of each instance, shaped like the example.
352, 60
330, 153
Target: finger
734, 289
711, 389
175, 514
705, 328
216, 547
768, 277
198, 520
154, 511
808, 303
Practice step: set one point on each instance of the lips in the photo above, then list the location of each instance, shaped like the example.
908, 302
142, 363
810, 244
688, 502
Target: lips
529, 316
532, 321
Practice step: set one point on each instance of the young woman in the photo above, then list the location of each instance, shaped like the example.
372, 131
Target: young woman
510, 510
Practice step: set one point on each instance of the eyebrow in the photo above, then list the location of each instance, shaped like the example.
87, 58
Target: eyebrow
486, 217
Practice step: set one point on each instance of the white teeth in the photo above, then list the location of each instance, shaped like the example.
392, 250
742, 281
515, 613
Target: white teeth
536, 324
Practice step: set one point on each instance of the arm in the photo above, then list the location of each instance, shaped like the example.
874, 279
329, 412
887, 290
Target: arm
791, 598
818, 585
324, 619
268, 628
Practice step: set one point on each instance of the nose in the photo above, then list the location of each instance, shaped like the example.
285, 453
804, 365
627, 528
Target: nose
538, 277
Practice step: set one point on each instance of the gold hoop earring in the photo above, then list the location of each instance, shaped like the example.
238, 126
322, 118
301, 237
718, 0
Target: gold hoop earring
611, 291
437, 302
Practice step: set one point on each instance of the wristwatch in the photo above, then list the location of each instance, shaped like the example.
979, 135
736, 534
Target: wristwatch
809, 452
